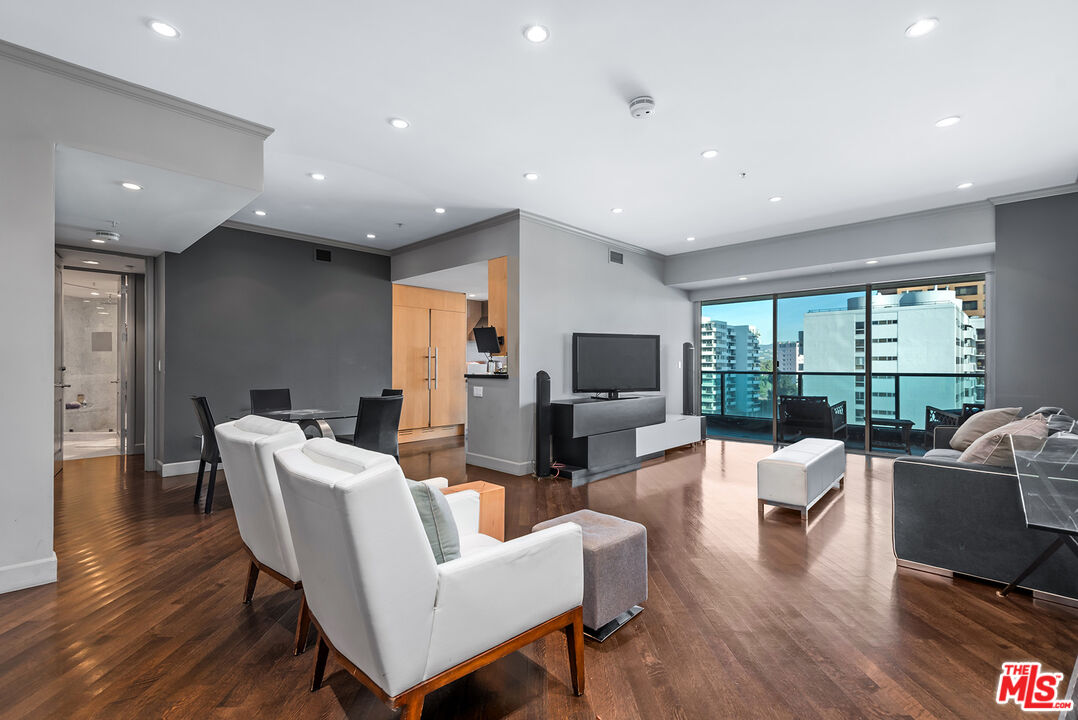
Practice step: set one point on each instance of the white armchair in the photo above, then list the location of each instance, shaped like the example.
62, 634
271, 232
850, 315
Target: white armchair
401, 624
247, 446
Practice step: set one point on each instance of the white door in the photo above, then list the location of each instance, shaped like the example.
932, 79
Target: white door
58, 371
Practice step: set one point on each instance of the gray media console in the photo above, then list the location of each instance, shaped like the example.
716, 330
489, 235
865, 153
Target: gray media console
597, 438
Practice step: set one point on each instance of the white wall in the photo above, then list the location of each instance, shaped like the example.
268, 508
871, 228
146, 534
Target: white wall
567, 285
46, 103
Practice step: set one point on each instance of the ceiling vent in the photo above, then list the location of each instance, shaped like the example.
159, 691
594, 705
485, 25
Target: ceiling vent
102, 237
616, 257
323, 255
642, 107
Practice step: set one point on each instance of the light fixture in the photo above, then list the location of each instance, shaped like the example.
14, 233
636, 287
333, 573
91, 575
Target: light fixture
690, 239
871, 262
709, 154
102, 313
616, 211
164, 29
130, 186
91, 262
440, 211
742, 278
471, 294
94, 292
99, 241
536, 33
531, 176
370, 236
260, 213
964, 186
317, 176
86, 301
948, 121
775, 198
399, 123
922, 27
100, 307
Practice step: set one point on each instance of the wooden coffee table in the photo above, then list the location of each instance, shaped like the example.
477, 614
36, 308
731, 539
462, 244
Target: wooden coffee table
491, 506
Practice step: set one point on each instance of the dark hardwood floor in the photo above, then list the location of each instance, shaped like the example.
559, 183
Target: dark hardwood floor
746, 617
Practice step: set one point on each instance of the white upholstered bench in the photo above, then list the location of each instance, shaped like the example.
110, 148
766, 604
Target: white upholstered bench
798, 475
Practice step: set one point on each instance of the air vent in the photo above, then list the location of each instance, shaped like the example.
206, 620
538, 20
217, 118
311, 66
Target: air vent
617, 258
323, 255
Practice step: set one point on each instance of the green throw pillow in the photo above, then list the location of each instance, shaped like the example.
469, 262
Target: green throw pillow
437, 521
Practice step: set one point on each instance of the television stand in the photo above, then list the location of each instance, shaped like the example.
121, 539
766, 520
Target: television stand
596, 437
613, 395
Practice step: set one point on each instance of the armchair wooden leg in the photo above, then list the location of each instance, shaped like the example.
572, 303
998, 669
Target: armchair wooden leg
303, 626
252, 578
413, 709
574, 635
198, 483
320, 663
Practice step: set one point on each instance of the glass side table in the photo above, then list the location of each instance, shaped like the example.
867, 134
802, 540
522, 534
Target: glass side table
1048, 484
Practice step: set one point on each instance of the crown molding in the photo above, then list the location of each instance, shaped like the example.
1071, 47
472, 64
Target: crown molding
580, 232
1035, 194
314, 240
474, 227
92, 78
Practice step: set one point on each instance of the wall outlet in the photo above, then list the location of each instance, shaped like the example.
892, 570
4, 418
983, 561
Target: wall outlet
477, 391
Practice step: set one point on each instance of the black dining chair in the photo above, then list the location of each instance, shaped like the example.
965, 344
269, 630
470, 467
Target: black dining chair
210, 453
264, 401
391, 392
377, 422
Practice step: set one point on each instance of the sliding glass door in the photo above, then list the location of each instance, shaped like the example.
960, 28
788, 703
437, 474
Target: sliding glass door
874, 366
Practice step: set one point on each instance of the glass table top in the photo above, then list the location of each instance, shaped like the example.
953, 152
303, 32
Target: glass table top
1048, 480
299, 414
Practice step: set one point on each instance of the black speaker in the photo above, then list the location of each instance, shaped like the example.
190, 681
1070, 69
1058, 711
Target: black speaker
688, 390
542, 424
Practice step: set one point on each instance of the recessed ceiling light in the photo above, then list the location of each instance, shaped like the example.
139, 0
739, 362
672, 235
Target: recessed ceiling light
130, 186
164, 29
260, 213
948, 121
100, 307
102, 313
775, 198
742, 278
91, 262
317, 176
871, 262
531, 176
690, 239
709, 154
86, 301
471, 294
99, 241
536, 33
440, 211
922, 27
399, 123
616, 211
964, 186
94, 292
370, 236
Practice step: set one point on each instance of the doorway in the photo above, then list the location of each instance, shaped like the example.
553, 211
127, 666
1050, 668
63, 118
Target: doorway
99, 340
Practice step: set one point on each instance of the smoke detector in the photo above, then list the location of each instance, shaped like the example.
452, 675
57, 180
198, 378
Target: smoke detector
642, 107
102, 237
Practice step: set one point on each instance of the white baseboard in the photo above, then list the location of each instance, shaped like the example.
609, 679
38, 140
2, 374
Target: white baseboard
28, 574
509, 467
177, 468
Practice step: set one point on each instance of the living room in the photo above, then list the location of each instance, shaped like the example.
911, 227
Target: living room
551, 362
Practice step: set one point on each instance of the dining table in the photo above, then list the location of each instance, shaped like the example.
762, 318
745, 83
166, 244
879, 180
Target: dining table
313, 421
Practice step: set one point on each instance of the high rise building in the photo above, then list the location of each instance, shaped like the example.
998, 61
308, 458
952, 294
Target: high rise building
729, 347
970, 293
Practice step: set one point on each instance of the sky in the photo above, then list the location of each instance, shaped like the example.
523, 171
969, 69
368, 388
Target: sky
791, 313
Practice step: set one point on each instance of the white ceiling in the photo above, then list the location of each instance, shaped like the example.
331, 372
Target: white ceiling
470, 279
825, 104
171, 211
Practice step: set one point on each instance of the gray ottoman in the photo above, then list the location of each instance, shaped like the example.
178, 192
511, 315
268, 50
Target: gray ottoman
615, 569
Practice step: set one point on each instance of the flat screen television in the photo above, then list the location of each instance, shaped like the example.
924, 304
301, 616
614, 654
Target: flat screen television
611, 363
486, 340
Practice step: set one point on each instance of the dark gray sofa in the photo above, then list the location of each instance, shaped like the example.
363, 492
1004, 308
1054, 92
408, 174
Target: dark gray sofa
967, 519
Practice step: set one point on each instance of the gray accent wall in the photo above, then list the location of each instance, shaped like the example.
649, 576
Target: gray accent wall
246, 310
1034, 304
